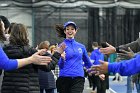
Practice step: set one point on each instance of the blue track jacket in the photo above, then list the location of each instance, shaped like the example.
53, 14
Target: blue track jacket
96, 55
76, 54
6, 63
126, 67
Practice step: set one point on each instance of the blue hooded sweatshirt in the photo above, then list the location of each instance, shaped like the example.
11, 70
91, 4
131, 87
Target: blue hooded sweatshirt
6, 63
76, 54
96, 55
126, 67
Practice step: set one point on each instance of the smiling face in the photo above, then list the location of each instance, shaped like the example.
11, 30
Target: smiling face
70, 31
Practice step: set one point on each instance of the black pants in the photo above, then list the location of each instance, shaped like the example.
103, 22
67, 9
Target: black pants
94, 81
70, 84
100, 84
90, 79
47, 90
107, 80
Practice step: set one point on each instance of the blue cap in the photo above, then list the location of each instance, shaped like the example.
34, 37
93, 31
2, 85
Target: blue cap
70, 23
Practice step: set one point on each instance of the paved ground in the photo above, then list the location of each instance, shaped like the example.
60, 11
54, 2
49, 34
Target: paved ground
115, 87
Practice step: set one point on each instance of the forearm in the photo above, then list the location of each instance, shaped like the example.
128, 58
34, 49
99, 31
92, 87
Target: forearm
126, 67
24, 61
134, 46
6, 63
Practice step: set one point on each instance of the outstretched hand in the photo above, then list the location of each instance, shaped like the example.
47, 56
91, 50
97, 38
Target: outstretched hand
108, 50
99, 69
40, 60
60, 49
126, 54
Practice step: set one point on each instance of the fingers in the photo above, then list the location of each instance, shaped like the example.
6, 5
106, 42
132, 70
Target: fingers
56, 45
130, 49
129, 53
123, 51
108, 44
101, 61
97, 73
95, 70
63, 45
122, 54
126, 51
61, 48
103, 50
45, 59
41, 60
43, 64
41, 52
63, 55
36, 47
102, 76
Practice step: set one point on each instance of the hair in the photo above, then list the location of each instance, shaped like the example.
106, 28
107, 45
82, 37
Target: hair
44, 45
95, 44
60, 30
11, 27
51, 48
5, 21
2, 35
18, 35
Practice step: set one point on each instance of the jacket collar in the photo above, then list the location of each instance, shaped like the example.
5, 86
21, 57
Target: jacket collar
69, 40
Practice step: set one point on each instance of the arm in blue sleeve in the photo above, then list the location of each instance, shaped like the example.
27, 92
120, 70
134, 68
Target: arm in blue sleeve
92, 56
6, 63
61, 63
126, 67
86, 59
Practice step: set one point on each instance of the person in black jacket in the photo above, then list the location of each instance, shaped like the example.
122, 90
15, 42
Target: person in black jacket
25, 79
46, 79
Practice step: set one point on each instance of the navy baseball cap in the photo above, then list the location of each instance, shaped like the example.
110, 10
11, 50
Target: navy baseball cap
70, 23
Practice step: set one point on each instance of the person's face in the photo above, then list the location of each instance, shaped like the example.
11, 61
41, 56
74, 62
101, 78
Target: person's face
70, 31
54, 49
93, 47
3, 28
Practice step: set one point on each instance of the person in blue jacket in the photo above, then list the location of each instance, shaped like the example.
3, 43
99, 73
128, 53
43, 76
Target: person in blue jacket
98, 81
71, 76
125, 67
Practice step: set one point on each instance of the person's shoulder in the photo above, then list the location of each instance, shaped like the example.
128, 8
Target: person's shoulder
80, 44
29, 49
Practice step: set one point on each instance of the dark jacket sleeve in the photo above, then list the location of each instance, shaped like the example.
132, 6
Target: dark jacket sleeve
135, 46
51, 66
